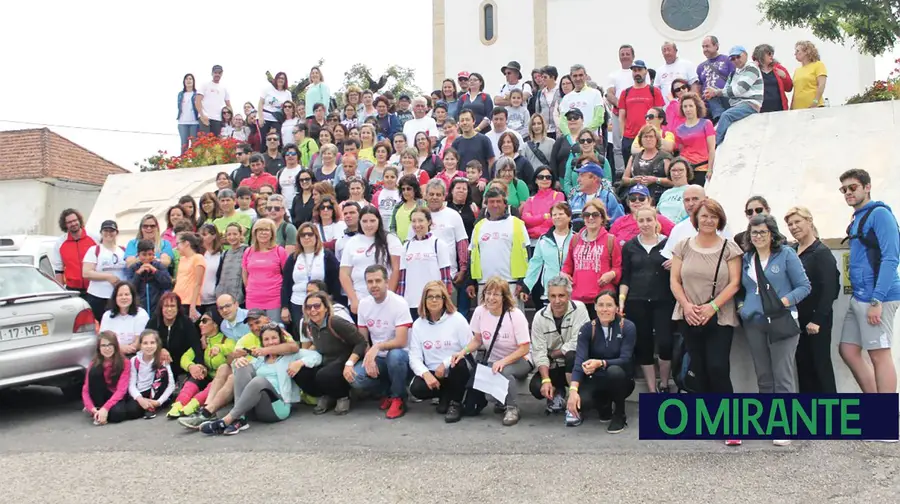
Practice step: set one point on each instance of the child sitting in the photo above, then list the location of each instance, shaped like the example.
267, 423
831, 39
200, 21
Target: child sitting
106, 382
149, 276
151, 383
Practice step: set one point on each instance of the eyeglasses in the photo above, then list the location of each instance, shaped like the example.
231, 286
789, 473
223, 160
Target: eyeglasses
759, 234
583, 141
544, 177
148, 226
849, 188
290, 153
274, 208
314, 307
651, 117
307, 235
591, 215
636, 197
751, 211
434, 297
225, 306
107, 345
273, 139
679, 89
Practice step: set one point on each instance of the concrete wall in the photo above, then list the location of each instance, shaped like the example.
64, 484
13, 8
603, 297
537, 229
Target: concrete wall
127, 197
590, 32
33, 206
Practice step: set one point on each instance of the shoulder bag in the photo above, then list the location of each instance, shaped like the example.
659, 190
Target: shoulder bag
474, 400
781, 324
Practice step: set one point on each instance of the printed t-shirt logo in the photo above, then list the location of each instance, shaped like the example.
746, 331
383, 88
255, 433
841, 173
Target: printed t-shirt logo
486, 335
427, 345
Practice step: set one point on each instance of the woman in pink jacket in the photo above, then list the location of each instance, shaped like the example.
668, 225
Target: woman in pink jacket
625, 227
536, 210
594, 260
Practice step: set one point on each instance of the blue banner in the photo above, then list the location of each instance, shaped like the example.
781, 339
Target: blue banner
769, 416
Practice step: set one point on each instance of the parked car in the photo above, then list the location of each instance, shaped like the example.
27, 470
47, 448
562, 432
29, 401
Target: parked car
36, 250
47, 334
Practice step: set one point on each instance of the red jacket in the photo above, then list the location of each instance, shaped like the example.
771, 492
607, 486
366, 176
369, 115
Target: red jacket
71, 257
587, 261
785, 85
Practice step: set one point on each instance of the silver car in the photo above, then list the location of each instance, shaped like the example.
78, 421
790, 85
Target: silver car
47, 334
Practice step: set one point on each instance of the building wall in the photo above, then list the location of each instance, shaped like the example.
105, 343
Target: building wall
33, 206
590, 32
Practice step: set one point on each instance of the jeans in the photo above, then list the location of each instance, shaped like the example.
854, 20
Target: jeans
731, 116
463, 302
254, 393
716, 107
774, 361
187, 132
710, 350
214, 127
393, 374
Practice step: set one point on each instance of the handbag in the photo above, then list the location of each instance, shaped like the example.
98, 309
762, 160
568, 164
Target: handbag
474, 400
781, 324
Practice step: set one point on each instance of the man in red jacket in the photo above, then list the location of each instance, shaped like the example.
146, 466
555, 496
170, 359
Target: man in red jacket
70, 250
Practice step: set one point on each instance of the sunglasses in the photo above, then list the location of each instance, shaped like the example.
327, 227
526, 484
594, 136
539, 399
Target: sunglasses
273, 208
651, 117
148, 226
290, 153
287, 106
305, 179
680, 89
206, 320
273, 139
849, 188
265, 193
307, 235
636, 197
583, 141
544, 177
591, 215
751, 211
327, 207
314, 307
406, 188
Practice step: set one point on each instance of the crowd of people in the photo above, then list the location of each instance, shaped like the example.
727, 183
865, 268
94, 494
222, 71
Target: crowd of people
391, 246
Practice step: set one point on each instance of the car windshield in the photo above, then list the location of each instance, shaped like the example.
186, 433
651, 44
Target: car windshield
16, 259
18, 281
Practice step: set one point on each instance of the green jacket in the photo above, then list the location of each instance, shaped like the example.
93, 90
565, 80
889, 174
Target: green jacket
212, 362
516, 193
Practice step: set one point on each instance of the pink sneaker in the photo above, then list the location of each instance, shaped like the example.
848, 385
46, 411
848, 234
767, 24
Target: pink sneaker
732, 442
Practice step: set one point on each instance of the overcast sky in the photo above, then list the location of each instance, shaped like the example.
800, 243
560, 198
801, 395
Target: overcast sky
115, 65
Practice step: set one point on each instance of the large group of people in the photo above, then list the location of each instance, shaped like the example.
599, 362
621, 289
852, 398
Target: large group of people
392, 245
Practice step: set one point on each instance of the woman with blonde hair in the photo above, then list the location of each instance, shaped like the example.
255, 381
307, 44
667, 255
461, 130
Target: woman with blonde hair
815, 373
501, 326
329, 155
367, 138
810, 78
263, 264
352, 97
650, 165
539, 147
149, 230
438, 333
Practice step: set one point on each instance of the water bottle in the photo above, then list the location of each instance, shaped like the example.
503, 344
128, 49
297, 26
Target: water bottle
827, 103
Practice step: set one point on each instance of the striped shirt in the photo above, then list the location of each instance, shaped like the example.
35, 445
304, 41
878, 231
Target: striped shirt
745, 85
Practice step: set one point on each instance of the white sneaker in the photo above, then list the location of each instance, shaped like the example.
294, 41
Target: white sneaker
781, 442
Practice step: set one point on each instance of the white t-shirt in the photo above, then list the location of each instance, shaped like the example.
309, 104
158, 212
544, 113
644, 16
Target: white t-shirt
680, 69
359, 254
333, 231
187, 109
214, 98
413, 126
110, 261
307, 268
287, 179
287, 131
494, 137
684, 230
495, 240
448, 226
585, 100
422, 260
383, 319
507, 88
208, 290
433, 344
272, 101
621, 80
388, 199
126, 327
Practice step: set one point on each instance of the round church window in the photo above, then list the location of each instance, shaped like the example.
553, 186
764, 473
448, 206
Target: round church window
684, 15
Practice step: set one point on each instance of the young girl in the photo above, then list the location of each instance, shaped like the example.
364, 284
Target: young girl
191, 272
517, 113
388, 197
124, 317
422, 262
151, 383
106, 382
451, 167
350, 120
228, 276
264, 386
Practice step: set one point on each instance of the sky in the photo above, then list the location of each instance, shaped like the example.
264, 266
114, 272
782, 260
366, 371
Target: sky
118, 65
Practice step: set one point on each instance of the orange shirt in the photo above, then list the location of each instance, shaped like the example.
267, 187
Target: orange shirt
187, 277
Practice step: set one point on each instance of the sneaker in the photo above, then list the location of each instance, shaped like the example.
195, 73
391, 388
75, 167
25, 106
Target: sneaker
343, 406
191, 407
149, 414
435, 401
662, 389
196, 420
606, 412
556, 405
454, 412
617, 424
213, 427
97, 423
324, 404
781, 442
385, 403
499, 408
573, 420
442, 406
511, 417
308, 399
175, 411
397, 409
237, 426
733, 442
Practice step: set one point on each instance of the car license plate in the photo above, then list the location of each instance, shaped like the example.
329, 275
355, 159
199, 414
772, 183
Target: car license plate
23, 331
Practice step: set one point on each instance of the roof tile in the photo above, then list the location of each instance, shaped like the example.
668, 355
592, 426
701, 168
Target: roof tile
41, 153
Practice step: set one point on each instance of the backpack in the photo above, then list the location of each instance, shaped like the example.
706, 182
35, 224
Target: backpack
652, 94
681, 366
869, 240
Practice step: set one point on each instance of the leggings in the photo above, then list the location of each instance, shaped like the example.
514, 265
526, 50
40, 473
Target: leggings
557, 377
815, 373
193, 389
453, 385
710, 349
100, 393
651, 318
611, 385
256, 394
514, 372
325, 380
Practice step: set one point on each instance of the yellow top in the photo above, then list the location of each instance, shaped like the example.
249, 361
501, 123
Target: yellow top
806, 85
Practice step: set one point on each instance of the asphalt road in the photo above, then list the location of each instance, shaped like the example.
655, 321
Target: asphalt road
50, 452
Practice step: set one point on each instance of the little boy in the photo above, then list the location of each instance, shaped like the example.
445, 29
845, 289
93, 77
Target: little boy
244, 201
476, 182
517, 113
149, 276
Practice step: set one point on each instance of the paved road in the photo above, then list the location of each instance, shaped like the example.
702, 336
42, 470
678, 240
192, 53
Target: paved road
50, 452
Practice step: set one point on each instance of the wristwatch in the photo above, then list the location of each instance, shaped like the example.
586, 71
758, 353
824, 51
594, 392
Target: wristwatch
874, 303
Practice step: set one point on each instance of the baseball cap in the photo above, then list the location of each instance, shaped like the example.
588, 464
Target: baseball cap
109, 224
217, 68
254, 314
592, 168
640, 189
463, 75
736, 51
574, 114
638, 64
403, 96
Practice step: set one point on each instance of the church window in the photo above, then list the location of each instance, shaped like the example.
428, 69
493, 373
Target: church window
684, 15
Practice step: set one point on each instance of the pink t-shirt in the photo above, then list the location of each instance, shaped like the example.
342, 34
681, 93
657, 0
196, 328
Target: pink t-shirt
691, 141
513, 332
264, 277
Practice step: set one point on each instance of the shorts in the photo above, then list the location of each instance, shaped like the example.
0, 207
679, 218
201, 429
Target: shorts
857, 330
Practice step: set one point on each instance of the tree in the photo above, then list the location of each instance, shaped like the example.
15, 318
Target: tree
873, 25
398, 80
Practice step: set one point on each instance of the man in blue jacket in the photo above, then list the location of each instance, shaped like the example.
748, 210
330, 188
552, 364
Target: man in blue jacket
590, 187
874, 257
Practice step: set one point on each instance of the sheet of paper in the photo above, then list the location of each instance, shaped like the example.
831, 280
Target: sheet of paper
495, 385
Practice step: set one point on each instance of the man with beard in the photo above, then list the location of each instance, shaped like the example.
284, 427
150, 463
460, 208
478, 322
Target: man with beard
634, 103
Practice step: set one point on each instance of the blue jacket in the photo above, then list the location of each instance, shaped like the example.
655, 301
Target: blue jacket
149, 286
613, 208
882, 225
193, 104
785, 274
592, 344
547, 260
387, 126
